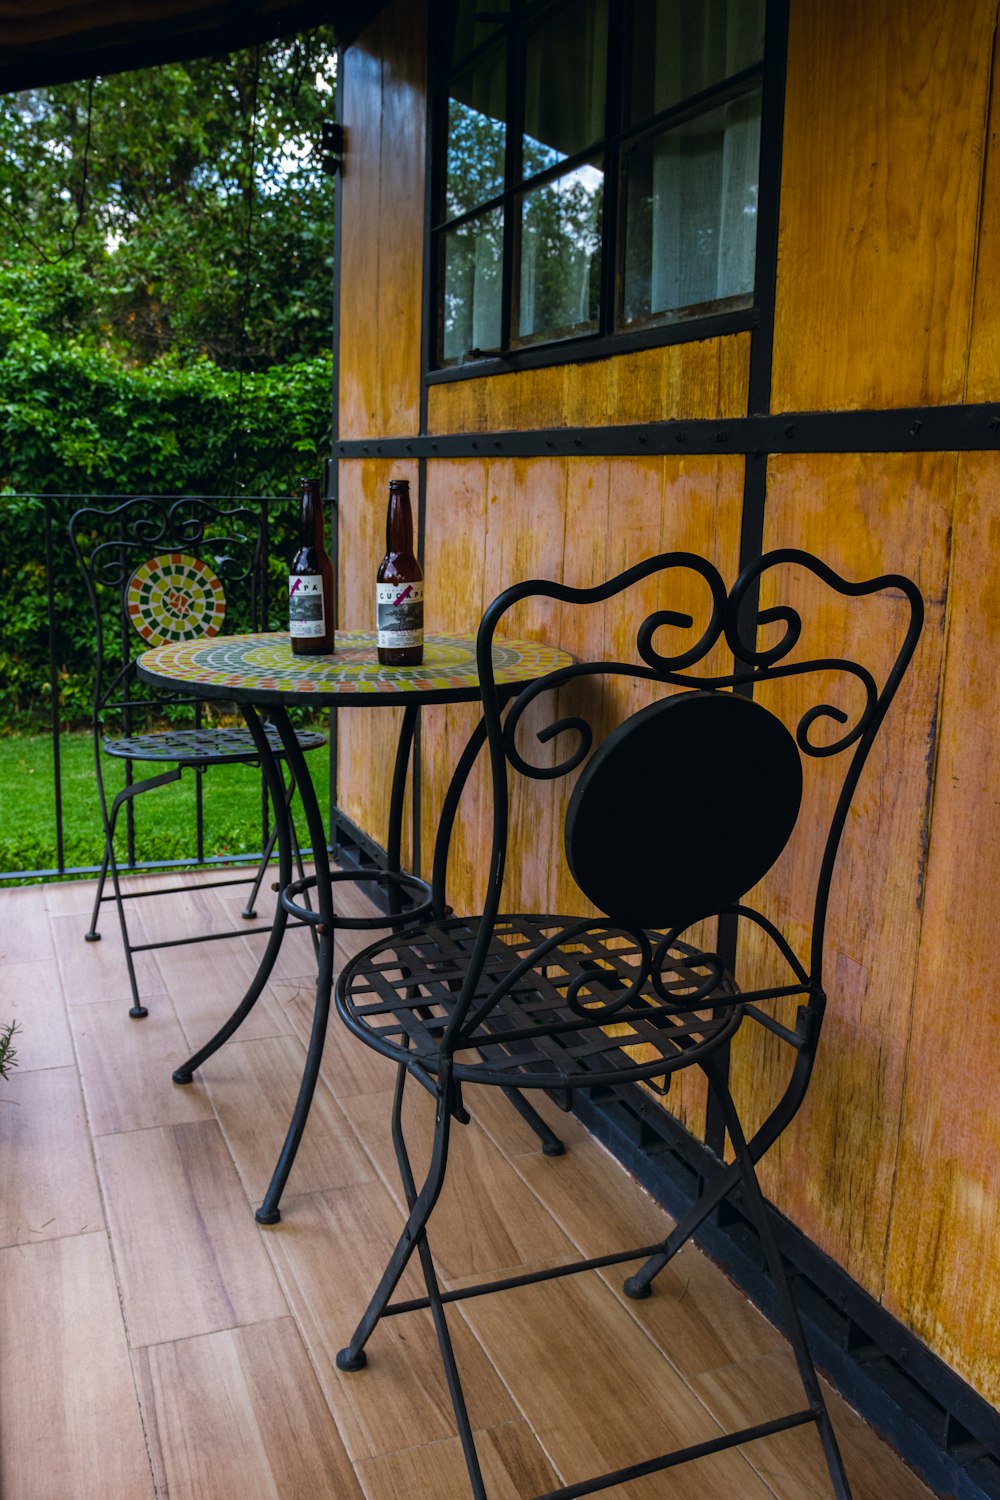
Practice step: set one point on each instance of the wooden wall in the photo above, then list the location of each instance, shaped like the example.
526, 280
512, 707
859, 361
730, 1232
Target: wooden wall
889, 254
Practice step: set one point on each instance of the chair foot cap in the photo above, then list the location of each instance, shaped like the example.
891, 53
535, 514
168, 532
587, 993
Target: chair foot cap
181, 1077
137, 1012
638, 1292
553, 1148
91, 937
248, 915
351, 1362
268, 1215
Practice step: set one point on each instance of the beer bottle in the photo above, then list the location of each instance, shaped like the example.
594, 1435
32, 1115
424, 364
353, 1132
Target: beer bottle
310, 581
399, 586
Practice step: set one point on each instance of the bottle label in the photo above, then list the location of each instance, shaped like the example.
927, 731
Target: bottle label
305, 605
399, 613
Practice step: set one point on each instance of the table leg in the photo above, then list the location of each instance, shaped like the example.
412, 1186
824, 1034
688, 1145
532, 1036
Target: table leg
394, 840
282, 819
269, 1211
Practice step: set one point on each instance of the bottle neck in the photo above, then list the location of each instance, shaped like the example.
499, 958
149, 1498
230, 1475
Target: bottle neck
311, 529
399, 524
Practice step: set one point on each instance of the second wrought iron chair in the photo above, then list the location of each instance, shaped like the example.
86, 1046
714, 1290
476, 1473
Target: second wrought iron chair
158, 570
678, 813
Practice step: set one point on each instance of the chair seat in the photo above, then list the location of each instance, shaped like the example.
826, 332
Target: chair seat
568, 1022
193, 747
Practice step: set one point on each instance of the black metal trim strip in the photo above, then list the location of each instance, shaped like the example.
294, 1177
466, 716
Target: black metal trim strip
769, 205
593, 346
55, 720
331, 477
940, 1426
911, 429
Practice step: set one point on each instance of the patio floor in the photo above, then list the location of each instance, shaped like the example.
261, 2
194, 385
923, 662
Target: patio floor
155, 1340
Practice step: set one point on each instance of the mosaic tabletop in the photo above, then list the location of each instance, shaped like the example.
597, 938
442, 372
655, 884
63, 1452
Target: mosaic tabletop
262, 669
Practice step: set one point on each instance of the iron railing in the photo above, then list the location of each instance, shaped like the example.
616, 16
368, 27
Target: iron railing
33, 524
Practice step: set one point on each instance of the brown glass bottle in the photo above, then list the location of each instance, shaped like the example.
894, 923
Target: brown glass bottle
310, 581
399, 587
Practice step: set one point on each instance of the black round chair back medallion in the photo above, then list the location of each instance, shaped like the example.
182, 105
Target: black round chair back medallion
682, 809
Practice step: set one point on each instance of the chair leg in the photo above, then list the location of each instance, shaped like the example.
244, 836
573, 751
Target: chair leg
764, 1224
551, 1144
137, 1010
92, 935
639, 1286
421, 1203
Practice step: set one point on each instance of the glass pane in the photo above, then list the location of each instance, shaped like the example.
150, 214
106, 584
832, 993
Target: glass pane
560, 277
476, 133
565, 65
470, 304
680, 48
474, 22
690, 210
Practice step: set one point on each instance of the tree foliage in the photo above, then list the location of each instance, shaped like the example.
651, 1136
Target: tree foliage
140, 188
148, 344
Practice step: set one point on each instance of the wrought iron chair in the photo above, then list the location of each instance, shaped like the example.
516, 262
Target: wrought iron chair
157, 570
680, 811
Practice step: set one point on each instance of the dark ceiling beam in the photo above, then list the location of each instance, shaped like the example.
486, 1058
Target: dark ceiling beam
54, 41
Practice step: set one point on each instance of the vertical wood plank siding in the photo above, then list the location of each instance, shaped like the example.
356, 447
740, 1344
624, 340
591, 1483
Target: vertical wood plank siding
888, 268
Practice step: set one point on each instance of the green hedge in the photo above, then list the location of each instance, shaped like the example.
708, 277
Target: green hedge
75, 420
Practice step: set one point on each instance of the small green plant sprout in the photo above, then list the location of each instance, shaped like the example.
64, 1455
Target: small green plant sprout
8, 1052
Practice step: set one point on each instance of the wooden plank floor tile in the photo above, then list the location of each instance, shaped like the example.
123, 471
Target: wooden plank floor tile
695, 1314
487, 1220
97, 971
190, 1258
206, 983
49, 1186
31, 994
25, 934
515, 1138
185, 913
513, 1466
68, 1412
240, 1414
330, 1252
573, 1378
253, 1086
125, 1065
792, 1463
597, 1392
349, 1067
297, 958
64, 898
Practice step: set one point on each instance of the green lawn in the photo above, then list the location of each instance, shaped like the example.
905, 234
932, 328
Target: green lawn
164, 818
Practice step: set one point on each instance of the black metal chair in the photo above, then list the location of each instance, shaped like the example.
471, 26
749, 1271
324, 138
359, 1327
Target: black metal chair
157, 570
680, 811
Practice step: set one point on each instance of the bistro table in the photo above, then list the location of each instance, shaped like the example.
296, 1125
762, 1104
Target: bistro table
260, 672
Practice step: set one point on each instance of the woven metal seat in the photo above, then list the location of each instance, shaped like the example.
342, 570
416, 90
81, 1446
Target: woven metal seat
193, 747
679, 810
157, 571
550, 1029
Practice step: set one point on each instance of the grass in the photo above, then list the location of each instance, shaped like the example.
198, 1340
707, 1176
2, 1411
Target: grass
165, 826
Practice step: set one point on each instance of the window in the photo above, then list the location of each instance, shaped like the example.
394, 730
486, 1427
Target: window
597, 171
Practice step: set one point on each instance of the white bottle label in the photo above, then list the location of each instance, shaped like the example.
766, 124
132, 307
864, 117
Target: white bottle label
399, 614
305, 605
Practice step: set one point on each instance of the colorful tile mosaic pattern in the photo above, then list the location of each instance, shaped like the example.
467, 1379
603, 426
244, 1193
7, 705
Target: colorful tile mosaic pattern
265, 663
175, 597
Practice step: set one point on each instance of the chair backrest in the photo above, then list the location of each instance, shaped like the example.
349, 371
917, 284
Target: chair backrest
160, 570
689, 800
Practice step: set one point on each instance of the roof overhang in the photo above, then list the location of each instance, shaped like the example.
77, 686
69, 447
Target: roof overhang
53, 41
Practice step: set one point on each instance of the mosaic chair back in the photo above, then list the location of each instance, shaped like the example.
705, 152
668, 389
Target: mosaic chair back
158, 571
719, 749
161, 570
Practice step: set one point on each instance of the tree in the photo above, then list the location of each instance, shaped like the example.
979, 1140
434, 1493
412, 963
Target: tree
162, 205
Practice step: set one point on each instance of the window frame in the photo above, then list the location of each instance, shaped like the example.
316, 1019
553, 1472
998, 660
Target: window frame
766, 75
